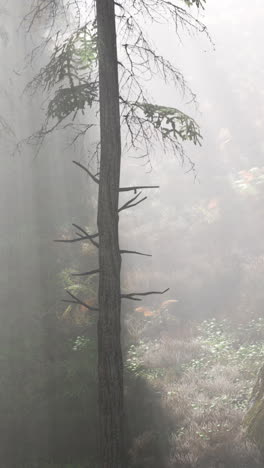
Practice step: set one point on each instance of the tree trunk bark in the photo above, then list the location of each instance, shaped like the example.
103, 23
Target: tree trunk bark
110, 365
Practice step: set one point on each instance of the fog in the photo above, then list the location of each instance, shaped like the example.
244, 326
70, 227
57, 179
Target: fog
192, 356
207, 252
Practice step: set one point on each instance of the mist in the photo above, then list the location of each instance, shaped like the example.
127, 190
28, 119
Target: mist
193, 356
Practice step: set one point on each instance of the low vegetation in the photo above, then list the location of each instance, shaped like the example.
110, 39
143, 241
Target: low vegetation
204, 384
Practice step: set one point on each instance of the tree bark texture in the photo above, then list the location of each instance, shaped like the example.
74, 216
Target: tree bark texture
110, 365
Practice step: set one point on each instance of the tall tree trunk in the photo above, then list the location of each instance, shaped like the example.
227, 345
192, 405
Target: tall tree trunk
110, 365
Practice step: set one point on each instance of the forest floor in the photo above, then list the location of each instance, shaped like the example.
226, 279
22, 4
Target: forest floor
188, 388
204, 375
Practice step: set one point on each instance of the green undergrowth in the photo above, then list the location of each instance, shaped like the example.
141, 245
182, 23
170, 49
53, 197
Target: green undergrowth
204, 383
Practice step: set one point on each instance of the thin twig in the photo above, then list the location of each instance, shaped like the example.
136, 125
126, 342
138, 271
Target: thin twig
139, 187
129, 298
134, 252
70, 241
130, 204
86, 273
87, 235
80, 238
87, 171
131, 200
76, 300
135, 204
133, 296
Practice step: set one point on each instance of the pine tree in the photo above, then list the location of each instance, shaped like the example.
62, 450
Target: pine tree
93, 66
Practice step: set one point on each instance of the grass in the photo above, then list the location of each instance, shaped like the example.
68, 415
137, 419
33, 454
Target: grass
205, 382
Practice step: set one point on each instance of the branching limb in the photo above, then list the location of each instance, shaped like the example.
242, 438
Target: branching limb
76, 300
130, 204
135, 204
80, 238
132, 199
87, 235
134, 296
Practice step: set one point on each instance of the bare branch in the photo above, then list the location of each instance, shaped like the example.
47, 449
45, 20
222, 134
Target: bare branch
132, 199
87, 171
70, 241
130, 204
87, 235
80, 238
134, 204
86, 273
138, 187
134, 252
133, 296
76, 300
